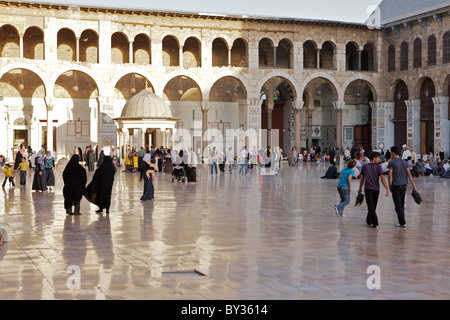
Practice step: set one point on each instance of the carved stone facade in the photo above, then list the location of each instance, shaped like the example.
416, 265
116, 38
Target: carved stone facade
89, 61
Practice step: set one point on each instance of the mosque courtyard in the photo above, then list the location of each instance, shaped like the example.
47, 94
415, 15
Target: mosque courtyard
229, 237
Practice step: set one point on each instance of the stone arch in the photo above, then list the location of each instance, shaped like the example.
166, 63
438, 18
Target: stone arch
31, 68
285, 55
171, 51
404, 56
227, 89
336, 88
142, 49
182, 88
153, 83
33, 43
192, 53
131, 84
22, 83
239, 53
327, 53
266, 54
9, 41
75, 84
352, 58
120, 49
359, 91
76, 67
285, 77
88, 44
219, 52
309, 54
417, 53
420, 82
400, 94
366, 79
66, 45
320, 88
368, 57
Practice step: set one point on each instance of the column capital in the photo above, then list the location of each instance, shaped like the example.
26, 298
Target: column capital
298, 105
204, 106
377, 104
49, 102
339, 105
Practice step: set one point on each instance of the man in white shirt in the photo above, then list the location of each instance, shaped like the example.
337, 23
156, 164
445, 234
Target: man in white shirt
406, 154
244, 160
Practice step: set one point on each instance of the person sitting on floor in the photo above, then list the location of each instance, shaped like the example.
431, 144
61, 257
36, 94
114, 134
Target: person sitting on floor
332, 172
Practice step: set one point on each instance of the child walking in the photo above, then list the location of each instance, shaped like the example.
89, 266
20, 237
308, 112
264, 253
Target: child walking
345, 188
23, 168
9, 175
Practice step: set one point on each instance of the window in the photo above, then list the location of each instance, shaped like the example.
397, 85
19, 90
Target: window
432, 51
446, 47
404, 56
417, 61
391, 58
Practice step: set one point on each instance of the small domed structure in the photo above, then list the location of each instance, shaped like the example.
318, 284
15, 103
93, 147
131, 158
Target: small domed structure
146, 105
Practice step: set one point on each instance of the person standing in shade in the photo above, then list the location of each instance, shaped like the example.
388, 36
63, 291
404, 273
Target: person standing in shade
191, 168
49, 167
147, 169
213, 158
398, 180
370, 179
99, 190
23, 168
39, 180
244, 159
75, 178
91, 159
345, 188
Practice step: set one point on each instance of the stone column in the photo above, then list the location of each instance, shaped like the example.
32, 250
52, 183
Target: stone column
441, 125
205, 109
21, 45
181, 57
50, 105
77, 58
253, 125
106, 126
413, 124
359, 59
339, 106
298, 106
275, 56
318, 58
131, 52
270, 107
229, 56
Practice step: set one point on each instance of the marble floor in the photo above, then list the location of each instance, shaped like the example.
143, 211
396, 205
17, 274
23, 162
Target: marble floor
234, 237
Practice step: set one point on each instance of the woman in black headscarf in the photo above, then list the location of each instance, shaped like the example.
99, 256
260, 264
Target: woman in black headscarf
18, 160
75, 179
101, 158
39, 182
99, 190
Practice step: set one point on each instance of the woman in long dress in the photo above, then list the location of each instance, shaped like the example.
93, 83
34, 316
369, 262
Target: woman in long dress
91, 158
75, 179
49, 166
100, 158
39, 181
99, 190
148, 169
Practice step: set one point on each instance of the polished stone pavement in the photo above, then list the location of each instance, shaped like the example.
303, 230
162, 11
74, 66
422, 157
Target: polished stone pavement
249, 237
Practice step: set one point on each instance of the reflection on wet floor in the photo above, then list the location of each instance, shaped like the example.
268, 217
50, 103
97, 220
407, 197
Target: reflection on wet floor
254, 237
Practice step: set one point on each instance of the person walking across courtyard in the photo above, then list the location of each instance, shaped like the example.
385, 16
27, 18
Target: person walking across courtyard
23, 169
398, 180
370, 180
75, 178
345, 188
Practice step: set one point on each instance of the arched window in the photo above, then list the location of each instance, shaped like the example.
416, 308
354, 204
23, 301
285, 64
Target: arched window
404, 56
284, 50
432, 51
219, 53
352, 56
266, 54
367, 58
33, 44
239, 54
391, 58
417, 60
309, 54
446, 47
327, 56
171, 52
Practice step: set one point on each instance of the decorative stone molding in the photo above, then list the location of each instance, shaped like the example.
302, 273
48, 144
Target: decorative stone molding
339, 105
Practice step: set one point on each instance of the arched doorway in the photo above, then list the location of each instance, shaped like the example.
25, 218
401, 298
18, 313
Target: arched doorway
400, 115
358, 96
321, 116
427, 92
75, 115
277, 113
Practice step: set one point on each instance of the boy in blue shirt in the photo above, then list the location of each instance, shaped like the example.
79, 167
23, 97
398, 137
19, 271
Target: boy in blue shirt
345, 188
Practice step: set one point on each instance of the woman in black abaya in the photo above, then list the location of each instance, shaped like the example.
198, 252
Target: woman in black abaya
75, 179
99, 190
39, 182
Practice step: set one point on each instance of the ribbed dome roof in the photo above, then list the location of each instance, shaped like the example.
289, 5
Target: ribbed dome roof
146, 105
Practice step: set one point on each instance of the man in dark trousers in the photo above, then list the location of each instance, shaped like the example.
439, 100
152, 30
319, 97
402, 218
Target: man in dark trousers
370, 180
398, 181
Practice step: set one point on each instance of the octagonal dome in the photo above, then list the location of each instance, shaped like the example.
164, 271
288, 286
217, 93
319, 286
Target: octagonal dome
146, 105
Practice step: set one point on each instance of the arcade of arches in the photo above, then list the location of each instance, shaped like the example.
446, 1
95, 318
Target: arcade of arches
63, 82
